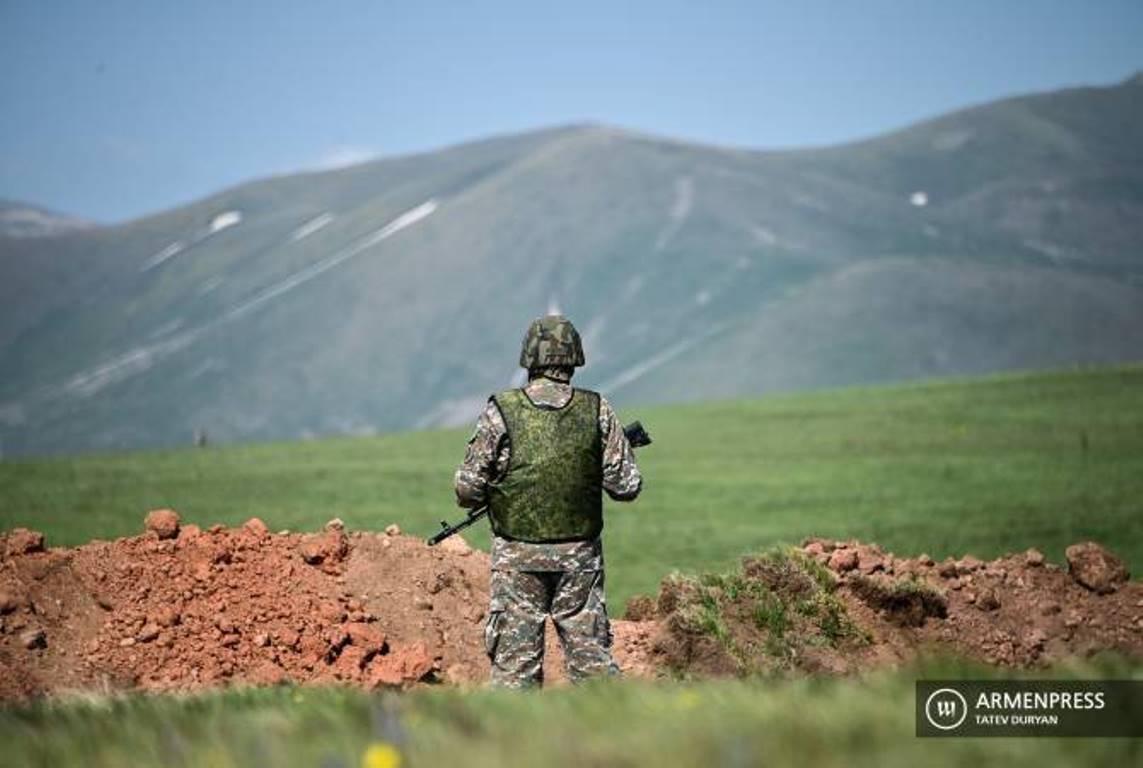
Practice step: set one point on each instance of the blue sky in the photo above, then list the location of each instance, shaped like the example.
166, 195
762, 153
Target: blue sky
116, 109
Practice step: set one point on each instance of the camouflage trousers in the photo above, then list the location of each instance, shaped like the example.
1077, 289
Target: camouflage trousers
514, 633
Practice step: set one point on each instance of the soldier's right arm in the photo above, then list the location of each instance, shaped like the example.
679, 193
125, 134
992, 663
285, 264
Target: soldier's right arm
484, 459
621, 477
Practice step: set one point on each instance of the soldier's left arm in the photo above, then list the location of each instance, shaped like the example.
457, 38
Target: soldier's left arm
621, 477
485, 459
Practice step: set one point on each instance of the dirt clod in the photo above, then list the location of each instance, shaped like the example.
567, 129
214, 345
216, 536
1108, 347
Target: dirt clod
9, 601
988, 600
455, 545
148, 633
327, 548
640, 608
402, 668
1095, 568
21, 541
967, 564
164, 523
870, 560
165, 617
366, 637
267, 672
33, 638
189, 532
256, 527
843, 560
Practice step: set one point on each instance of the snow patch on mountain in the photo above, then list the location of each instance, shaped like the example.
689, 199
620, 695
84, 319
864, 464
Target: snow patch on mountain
225, 220
642, 368
311, 226
174, 249
303, 276
141, 359
680, 210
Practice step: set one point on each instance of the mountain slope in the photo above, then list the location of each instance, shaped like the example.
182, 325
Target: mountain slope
393, 294
24, 220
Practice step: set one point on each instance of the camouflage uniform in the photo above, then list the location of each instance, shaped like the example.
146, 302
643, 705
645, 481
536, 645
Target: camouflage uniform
531, 581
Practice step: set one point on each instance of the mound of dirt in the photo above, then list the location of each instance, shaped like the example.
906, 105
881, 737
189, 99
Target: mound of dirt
179, 608
236, 605
841, 606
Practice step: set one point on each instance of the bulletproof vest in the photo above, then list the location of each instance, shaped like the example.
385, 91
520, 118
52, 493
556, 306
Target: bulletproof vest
553, 488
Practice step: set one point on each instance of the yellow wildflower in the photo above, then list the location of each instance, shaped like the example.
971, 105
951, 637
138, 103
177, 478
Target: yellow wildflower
381, 755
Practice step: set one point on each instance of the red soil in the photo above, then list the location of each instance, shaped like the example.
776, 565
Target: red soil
182, 609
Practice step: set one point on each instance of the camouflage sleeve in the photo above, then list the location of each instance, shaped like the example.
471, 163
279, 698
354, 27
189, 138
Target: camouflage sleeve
485, 458
621, 477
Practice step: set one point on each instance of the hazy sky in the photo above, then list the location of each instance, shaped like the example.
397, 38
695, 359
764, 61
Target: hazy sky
115, 109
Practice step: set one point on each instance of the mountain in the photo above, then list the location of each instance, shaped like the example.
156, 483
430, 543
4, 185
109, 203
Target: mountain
26, 220
393, 295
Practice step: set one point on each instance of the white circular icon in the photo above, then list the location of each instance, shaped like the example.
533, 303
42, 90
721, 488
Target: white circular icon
946, 709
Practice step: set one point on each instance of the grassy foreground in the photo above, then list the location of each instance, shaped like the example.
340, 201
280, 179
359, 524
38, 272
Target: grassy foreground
982, 466
817, 722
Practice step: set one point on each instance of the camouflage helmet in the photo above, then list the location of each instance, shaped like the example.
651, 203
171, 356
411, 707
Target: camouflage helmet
551, 340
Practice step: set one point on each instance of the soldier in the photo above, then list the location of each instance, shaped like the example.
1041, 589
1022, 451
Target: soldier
540, 459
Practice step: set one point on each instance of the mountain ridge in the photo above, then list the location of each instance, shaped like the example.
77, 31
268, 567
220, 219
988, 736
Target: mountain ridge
391, 294
23, 219
1135, 79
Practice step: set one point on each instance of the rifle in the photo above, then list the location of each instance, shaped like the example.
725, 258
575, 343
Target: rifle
636, 436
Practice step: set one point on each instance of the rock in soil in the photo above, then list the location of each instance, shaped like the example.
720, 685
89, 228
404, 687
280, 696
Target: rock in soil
843, 560
33, 638
21, 541
164, 523
329, 547
1095, 568
256, 527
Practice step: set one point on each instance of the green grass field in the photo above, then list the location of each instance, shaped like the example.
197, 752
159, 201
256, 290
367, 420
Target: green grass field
983, 466
865, 721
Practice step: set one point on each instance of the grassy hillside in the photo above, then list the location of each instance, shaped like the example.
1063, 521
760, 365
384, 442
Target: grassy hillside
982, 466
1003, 237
